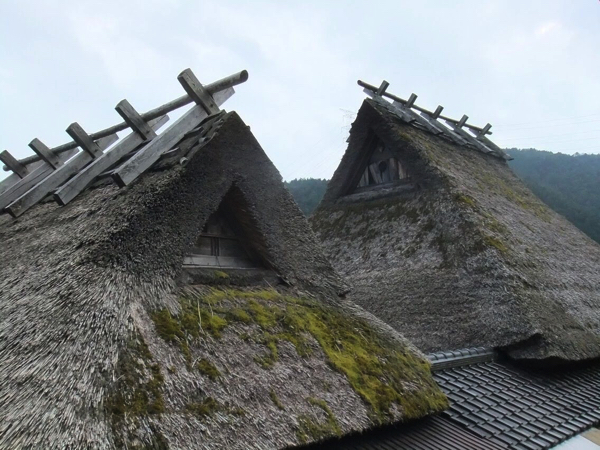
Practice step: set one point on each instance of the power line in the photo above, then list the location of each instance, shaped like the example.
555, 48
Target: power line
518, 125
550, 136
308, 158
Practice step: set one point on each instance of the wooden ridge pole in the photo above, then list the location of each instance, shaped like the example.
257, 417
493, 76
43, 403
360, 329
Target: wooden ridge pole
73, 167
212, 88
206, 105
15, 191
13, 164
88, 174
408, 103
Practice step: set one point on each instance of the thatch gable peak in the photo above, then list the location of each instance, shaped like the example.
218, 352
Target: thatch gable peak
468, 257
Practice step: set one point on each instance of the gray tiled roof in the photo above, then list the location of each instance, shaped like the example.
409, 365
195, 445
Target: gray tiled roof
522, 409
495, 405
432, 433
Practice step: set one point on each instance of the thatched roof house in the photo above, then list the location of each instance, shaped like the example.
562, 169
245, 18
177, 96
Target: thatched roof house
445, 243
193, 308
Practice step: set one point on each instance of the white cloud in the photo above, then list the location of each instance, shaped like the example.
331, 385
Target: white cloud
546, 28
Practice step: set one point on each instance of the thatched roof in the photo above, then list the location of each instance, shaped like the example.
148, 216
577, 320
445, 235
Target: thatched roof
104, 343
463, 255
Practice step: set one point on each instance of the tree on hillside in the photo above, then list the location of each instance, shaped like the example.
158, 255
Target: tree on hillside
569, 184
307, 192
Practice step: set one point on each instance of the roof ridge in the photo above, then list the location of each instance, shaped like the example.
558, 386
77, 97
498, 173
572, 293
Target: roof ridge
450, 129
461, 357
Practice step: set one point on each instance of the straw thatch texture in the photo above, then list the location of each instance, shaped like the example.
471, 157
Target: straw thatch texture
101, 346
466, 255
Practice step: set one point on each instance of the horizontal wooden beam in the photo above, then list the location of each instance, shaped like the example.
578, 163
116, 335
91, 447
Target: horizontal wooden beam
447, 132
212, 88
409, 116
485, 130
39, 174
411, 101
382, 87
84, 140
134, 120
13, 164
148, 155
494, 147
437, 112
14, 179
69, 190
403, 115
418, 108
468, 137
72, 167
417, 118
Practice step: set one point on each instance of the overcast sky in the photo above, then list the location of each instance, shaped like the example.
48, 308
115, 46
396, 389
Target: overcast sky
530, 68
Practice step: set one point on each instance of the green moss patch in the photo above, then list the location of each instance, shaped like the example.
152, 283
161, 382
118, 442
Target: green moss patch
496, 243
466, 200
139, 388
195, 319
204, 408
276, 400
221, 275
209, 406
136, 394
310, 429
519, 196
267, 361
205, 367
354, 219
383, 374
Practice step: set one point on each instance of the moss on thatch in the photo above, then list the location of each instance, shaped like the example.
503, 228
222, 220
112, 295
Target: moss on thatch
312, 429
139, 391
376, 369
204, 408
205, 367
276, 400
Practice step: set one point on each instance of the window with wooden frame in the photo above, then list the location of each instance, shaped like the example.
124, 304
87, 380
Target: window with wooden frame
382, 169
228, 239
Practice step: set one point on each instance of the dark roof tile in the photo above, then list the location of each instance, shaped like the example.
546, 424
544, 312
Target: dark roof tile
432, 433
522, 408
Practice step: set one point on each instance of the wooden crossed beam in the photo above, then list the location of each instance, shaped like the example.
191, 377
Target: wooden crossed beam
454, 130
64, 171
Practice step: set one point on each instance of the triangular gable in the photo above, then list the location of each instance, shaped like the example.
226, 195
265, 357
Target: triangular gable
467, 230
382, 168
374, 161
230, 238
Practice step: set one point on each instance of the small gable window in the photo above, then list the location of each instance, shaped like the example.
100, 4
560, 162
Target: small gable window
382, 169
228, 238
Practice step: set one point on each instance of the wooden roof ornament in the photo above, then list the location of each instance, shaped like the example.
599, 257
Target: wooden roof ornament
451, 129
66, 170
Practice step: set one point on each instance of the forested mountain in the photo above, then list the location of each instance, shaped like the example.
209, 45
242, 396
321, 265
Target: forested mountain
307, 192
569, 184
